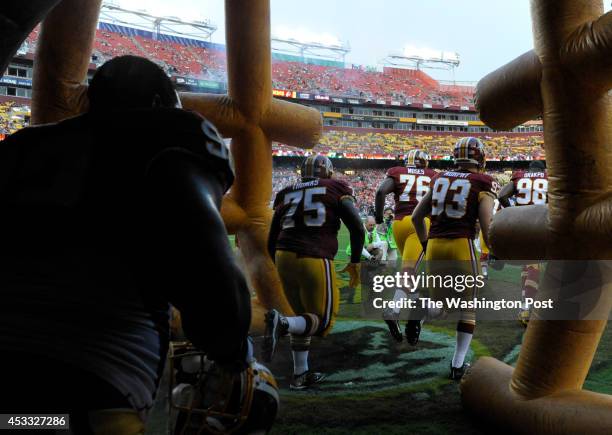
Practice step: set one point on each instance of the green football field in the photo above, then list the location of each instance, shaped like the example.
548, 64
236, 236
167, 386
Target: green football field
375, 386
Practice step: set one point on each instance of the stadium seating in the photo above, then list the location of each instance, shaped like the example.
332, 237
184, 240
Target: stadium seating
210, 63
370, 144
13, 117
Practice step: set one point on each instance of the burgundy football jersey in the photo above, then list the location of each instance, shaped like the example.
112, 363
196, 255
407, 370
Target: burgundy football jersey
411, 185
454, 203
531, 187
311, 217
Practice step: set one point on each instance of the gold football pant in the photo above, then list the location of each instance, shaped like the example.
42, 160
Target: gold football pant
311, 288
453, 257
407, 241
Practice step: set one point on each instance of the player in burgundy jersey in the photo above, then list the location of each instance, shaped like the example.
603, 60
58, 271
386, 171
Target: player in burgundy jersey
528, 188
303, 242
409, 184
457, 199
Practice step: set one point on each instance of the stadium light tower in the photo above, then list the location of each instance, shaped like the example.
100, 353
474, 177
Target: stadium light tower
303, 43
423, 59
114, 14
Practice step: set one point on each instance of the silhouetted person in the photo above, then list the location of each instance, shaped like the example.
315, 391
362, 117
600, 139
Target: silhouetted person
107, 218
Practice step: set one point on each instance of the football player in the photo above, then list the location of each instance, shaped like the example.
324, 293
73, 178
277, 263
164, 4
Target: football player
456, 200
303, 242
107, 219
528, 188
409, 184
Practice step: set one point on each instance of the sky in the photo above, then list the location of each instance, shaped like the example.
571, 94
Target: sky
485, 33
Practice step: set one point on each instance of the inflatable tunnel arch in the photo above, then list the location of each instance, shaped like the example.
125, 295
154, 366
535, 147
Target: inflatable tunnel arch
566, 79
248, 114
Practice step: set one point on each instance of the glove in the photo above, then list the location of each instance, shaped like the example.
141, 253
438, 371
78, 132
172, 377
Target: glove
354, 271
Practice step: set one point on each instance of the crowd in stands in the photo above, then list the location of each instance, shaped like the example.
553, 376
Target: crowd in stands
351, 144
13, 117
391, 84
359, 83
389, 145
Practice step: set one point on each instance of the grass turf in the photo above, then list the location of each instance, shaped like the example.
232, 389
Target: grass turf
428, 407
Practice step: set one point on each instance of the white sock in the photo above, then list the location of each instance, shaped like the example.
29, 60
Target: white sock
297, 324
461, 349
300, 361
399, 295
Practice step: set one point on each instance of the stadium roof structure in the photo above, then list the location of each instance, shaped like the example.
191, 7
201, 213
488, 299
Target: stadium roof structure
305, 49
111, 13
423, 59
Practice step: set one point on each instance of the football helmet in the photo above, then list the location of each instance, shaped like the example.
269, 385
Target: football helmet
469, 150
317, 166
417, 158
207, 399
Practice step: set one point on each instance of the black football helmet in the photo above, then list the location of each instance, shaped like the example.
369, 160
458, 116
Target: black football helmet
207, 399
317, 166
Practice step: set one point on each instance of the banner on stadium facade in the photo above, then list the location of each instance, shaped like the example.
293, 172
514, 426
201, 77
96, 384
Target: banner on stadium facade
369, 118
205, 84
396, 103
442, 122
353, 101
16, 81
337, 100
321, 97
284, 93
304, 96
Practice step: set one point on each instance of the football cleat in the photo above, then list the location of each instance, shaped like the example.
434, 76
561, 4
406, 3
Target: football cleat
456, 373
276, 327
393, 324
413, 331
306, 380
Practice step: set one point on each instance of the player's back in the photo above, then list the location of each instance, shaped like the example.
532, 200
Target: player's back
531, 187
83, 240
455, 201
311, 216
411, 185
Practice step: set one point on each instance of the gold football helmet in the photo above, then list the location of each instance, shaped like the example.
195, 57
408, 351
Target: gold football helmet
205, 398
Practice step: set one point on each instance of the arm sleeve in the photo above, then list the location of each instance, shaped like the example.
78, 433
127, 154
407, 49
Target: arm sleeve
488, 187
208, 290
350, 217
275, 229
